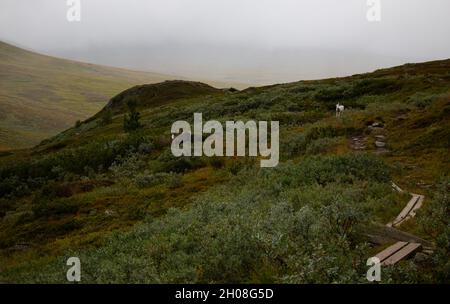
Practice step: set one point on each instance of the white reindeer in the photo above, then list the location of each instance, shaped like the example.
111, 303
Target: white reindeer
339, 110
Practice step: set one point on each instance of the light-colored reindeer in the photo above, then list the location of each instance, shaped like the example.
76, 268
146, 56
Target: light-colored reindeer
339, 109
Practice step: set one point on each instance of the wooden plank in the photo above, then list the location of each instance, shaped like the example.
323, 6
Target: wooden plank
403, 253
408, 207
397, 188
386, 253
409, 211
417, 206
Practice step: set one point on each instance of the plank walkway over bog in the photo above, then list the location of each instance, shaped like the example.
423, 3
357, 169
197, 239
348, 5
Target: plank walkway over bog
397, 252
409, 211
402, 250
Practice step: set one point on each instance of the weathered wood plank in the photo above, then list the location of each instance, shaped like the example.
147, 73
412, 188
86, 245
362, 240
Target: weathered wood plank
397, 188
409, 211
404, 213
386, 253
401, 254
417, 206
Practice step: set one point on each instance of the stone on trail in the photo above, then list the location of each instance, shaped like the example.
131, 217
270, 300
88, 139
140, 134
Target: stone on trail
380, 144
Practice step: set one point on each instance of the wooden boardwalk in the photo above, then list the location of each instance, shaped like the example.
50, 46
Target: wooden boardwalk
402, 250
409, 211
397, 252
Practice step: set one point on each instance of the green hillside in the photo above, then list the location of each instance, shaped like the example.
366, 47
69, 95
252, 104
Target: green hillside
41, 95
133, 212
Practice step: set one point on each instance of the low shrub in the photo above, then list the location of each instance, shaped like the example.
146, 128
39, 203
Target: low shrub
321, 145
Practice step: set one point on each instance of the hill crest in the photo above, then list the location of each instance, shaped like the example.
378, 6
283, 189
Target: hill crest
160, 93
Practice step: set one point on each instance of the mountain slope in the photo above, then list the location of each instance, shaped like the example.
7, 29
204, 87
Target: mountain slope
222, 220
41, 95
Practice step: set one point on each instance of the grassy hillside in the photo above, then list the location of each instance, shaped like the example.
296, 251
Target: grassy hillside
134, 213
40, 95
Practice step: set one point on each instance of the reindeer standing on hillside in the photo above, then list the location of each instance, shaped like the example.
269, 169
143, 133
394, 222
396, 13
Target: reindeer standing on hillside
339, 110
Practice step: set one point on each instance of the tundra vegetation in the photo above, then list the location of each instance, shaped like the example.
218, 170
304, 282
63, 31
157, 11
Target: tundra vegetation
133, 212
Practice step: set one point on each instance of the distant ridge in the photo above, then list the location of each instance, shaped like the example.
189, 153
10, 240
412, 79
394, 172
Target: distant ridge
41, 95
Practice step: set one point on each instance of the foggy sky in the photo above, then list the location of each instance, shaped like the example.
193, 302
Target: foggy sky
253, 41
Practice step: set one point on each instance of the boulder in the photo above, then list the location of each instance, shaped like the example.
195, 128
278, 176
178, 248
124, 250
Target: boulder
377, 125
421, 258
380, 144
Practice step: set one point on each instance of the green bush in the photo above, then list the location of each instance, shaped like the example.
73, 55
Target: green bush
106, 117
52, 208
147, 179
97, 156
128, 165
328, 131
131, 119
435, 221
217, 162
297, 224
375, 86
321, 145
170, 163
345, 169
292, 145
